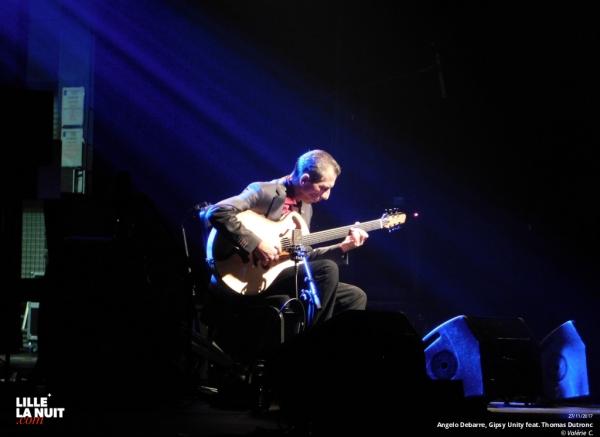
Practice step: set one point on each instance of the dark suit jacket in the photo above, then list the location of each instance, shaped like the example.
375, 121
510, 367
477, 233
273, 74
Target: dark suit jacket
267, 199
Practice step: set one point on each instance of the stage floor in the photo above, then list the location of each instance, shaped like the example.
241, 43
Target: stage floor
201, 411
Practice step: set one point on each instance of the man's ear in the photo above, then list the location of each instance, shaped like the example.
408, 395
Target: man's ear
304, 179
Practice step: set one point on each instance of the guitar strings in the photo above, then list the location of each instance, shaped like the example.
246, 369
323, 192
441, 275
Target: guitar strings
341, 232
332, 234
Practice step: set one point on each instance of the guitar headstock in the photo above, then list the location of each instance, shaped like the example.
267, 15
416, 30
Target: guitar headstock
392, 219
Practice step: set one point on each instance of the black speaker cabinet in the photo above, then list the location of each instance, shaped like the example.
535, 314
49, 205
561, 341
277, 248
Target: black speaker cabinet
496, 358
359, 368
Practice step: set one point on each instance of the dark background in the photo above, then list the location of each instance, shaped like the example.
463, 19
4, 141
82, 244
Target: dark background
479, 117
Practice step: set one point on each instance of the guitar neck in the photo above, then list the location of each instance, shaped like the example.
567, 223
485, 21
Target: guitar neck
338, 233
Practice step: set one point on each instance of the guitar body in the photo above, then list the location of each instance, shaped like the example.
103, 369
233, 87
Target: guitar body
237, 270
240, 273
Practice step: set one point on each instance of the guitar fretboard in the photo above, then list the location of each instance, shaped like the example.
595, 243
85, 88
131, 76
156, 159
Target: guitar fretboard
335, 233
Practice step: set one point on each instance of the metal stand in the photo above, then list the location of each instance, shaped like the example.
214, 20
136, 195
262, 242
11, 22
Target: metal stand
310, 294
201, 343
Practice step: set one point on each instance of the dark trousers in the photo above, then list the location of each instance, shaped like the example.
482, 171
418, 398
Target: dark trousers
335, 296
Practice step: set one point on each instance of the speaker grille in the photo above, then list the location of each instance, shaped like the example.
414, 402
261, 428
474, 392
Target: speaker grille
444, 365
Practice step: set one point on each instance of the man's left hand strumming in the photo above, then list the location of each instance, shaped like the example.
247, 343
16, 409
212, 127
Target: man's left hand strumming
355, 238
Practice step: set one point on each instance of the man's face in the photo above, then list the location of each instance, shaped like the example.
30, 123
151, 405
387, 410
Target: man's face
313, 192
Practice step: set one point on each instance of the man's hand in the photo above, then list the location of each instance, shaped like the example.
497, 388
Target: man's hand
266, 253
356, 237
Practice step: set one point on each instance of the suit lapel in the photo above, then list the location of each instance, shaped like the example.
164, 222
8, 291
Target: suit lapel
274, 210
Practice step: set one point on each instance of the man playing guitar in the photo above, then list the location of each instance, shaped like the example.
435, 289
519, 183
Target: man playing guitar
311, 181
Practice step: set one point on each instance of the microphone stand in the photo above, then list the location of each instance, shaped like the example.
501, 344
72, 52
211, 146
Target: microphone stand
309, 295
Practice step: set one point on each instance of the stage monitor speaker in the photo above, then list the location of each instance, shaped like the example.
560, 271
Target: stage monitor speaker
564, 363
495, 358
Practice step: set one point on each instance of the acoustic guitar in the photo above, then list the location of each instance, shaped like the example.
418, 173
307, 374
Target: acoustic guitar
237, 270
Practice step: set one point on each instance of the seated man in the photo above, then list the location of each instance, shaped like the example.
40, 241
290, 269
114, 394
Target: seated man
311, 181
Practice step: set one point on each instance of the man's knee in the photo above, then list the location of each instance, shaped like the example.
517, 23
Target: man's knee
326, 267
360, 300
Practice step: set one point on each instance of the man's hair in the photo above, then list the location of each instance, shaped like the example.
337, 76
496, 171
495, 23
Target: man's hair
315, 163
